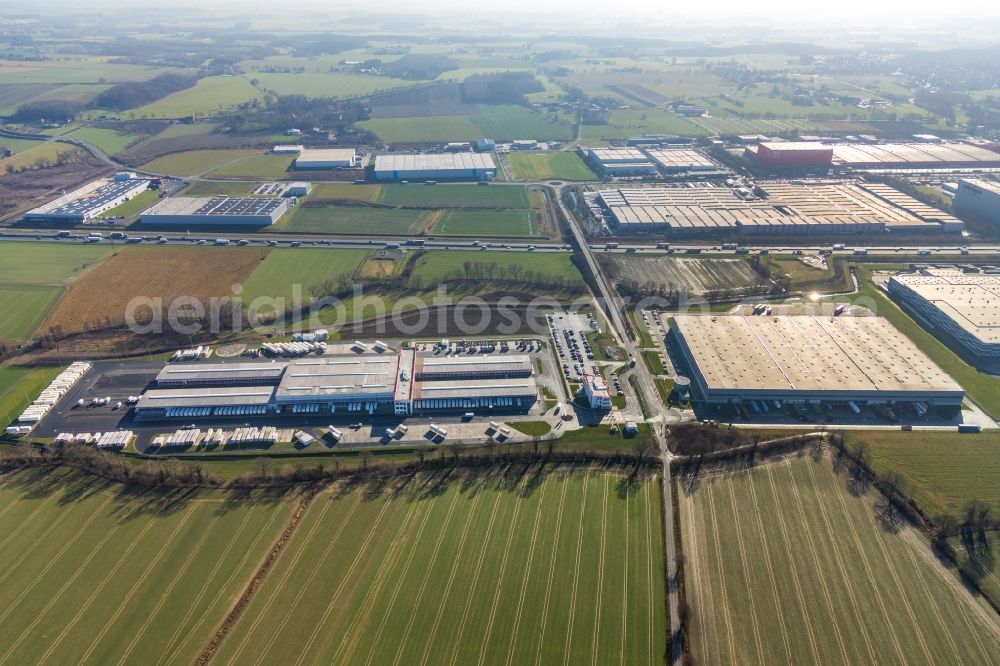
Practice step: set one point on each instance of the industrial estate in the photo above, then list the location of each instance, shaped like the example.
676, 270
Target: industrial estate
394, 339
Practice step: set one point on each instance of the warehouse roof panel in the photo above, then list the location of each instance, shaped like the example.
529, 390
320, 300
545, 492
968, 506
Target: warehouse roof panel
971, 300
434, 162
808, 353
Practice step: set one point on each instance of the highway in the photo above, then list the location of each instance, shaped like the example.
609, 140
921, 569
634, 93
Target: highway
208, 236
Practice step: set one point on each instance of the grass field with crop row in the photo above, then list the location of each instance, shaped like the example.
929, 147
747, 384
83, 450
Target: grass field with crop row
943, 470
459, 568
360, 220
208, 96
434, 267
110, 141
634, 122
265, 167
472, 222
96, 573
193, 162
285, 267
454, 196
32, 278
785, 565
549, 165
48, 151
501, 122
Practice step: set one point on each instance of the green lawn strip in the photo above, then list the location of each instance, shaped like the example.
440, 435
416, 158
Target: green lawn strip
645, 338
653, 362
135, 205
531, 428
366, 193
19, 386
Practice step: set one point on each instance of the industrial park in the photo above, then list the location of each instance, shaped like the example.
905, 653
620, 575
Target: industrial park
477, 335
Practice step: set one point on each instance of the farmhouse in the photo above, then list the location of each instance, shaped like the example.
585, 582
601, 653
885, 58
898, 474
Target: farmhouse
221, 210
327, 158
733, 359
962, 308
815, 207
92, 200
364, 383
446, 166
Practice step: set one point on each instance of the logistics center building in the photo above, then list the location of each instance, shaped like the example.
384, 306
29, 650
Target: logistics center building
90, 201
807, 359
980, 197
870, 156
962, 308
218, 211
816, 207
327, 158
436, 166
362, 383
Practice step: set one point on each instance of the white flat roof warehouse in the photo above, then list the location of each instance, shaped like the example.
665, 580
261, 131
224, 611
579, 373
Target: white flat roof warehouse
865, 355
970, 300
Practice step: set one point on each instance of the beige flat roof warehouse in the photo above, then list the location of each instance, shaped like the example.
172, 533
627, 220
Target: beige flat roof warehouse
818, 356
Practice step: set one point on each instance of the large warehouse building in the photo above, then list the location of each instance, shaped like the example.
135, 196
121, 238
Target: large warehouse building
868, 156
961, 308
327, 158
805, 359
217, 211
90, 201
443, 166
979, 197
620, 162
794, 154
817, 207
681, 160
364, 383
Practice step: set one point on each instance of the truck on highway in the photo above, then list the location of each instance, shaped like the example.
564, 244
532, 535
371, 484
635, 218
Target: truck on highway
663, 246
729, 246
611, 246
416, 241
860, 250
222, 241
838, 246
923, 252
118, 235
95, 238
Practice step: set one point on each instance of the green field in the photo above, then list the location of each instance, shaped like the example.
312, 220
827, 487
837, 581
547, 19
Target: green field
786, 566
110, 141
455, 196
549, 165
258, 166
472, 222
327, 84
356, 220
32, 278
210, 95
435, 267
284, 268
634, 122
943, 470
367, 193
501, 122
19, 386
194, 162
528, 567
109, 574
46, 150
